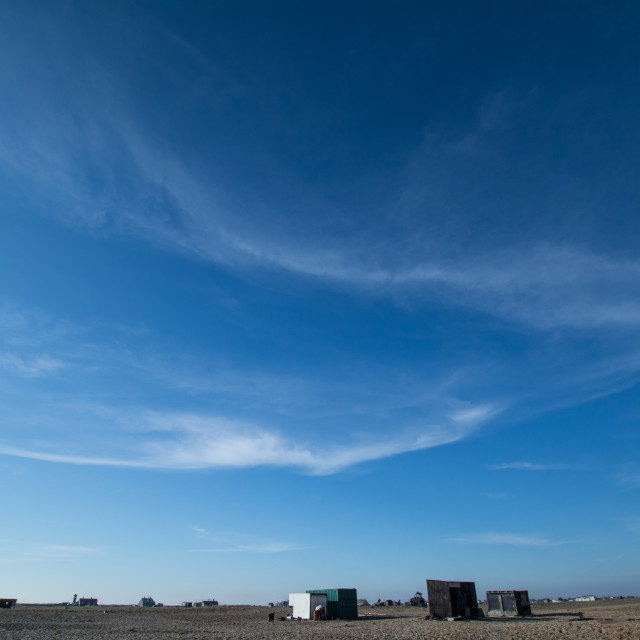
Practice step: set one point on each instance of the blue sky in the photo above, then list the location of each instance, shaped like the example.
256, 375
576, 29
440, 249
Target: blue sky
299, 295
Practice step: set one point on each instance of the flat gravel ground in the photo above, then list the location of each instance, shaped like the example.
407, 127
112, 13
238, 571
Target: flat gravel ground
617, 620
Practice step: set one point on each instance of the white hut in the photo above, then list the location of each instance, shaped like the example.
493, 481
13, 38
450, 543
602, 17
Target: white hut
304, 604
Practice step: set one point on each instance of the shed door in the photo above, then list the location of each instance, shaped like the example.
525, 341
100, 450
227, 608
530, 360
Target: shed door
457, 601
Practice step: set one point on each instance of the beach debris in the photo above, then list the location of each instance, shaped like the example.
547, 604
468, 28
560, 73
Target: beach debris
319, 613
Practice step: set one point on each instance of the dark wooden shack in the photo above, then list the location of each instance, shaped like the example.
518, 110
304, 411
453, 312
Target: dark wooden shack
508, 603
88, 602
452, 599
8, 603
147, 601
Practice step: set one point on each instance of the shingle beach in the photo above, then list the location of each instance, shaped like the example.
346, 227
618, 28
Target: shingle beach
615, 620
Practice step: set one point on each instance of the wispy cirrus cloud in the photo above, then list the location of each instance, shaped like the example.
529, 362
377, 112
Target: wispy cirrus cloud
197, 440
36, 366
529, 466
169, 198
474, 414
35, 344
269, 547
509, 539
61, 552
31, 328
29, 336
21, 551
200, 442
228, 545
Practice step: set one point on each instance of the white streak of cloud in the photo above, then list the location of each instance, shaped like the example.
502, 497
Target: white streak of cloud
197, 442
510, 539
527, 466
72, 459
21, 550
60, 552
270, 547
474, 415
30, 367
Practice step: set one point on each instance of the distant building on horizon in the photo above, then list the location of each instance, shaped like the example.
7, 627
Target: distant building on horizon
88, 602
147, 602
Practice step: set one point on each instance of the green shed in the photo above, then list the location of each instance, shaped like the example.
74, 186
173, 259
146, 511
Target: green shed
341, 603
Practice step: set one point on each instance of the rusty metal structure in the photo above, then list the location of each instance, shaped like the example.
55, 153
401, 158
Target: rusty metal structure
508, 603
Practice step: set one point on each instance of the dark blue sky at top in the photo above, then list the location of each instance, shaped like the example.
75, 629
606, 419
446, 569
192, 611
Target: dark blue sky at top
481, 126
349, 99
508, 123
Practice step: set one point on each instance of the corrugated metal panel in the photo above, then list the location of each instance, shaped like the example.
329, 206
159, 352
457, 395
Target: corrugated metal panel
341, 603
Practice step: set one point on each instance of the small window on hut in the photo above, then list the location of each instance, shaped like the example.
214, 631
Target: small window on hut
508, 602
493, 599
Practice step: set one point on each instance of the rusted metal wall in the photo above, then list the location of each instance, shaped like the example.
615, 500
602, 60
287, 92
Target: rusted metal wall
508, 603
